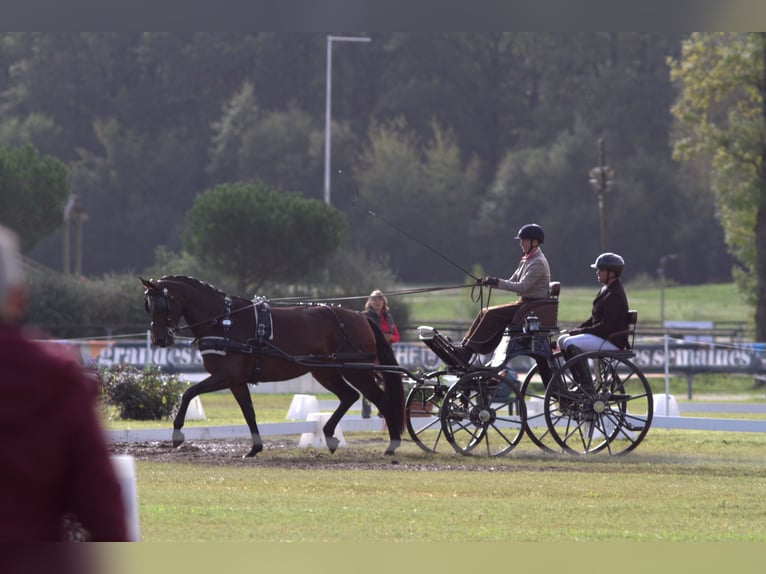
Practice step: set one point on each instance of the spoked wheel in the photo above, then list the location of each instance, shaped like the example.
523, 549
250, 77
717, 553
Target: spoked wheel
609, 410
483, 414
422, 408
533, 392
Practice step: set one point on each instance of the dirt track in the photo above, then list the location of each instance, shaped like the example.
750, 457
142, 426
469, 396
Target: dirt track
359, 454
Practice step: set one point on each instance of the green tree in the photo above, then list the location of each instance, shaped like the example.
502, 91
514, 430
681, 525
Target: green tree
721, 109
416, 188
33, 191
255, 234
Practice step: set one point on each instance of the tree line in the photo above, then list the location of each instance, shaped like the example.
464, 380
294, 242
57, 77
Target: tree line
457, 138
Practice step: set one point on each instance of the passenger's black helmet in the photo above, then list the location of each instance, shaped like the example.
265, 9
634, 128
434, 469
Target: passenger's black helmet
610, 262
531, 231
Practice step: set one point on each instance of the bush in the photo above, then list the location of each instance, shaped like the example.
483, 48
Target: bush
69, 307
146, 394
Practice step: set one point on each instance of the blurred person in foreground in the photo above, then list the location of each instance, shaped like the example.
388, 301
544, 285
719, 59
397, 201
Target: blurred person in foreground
56, 469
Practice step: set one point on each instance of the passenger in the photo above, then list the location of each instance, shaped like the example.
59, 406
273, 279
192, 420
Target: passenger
56, 467
378, 310
609, 316
531, 281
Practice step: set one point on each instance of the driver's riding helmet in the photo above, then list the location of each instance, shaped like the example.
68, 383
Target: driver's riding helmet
531, 231
610, 262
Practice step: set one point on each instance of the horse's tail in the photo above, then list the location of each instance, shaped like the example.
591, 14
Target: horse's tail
392, 381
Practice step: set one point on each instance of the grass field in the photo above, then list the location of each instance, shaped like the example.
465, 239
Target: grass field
714, 302
679, 486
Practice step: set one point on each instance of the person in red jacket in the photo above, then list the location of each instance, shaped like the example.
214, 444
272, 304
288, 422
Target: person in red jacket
56, 469
377, 309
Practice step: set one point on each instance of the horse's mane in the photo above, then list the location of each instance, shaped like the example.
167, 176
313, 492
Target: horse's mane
193, 281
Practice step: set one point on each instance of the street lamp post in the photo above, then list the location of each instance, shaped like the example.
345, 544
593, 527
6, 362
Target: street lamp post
73, 212
661, 274
328, 106
601, 178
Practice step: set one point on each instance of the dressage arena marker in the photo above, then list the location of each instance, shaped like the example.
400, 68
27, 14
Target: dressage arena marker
195, 411
316, 438
306, 407
301, 406
666, 405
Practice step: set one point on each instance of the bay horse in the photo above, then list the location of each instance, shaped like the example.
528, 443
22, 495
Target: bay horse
340, 347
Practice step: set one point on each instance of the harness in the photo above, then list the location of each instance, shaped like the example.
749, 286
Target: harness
263, 332
264, 326
222, 346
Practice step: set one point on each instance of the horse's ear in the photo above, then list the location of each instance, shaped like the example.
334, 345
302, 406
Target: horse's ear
148, 284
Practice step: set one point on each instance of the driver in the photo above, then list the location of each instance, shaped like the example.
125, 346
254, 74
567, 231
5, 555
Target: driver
531, 281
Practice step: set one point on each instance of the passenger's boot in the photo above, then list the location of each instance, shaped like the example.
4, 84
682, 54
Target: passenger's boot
580, 369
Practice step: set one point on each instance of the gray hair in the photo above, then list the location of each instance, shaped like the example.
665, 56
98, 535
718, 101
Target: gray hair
11, 270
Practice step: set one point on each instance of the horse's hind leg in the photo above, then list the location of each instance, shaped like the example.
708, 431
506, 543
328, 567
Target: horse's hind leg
347, 396
242, 394
367, 384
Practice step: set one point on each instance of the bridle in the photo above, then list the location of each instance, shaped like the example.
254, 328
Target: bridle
161, 303
162, 299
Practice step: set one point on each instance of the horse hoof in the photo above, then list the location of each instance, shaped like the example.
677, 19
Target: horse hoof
392, 446
178, 437
253, 451
332, 443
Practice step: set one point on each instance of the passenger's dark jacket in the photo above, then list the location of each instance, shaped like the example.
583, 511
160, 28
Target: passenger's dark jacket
609, 315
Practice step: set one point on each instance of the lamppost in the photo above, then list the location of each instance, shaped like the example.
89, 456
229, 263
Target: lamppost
661, 274
328, 107
601, 178
73, 212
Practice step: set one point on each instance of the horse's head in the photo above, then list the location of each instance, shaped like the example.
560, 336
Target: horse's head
165, 311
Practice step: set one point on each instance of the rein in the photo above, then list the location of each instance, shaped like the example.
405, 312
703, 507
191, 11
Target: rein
359, 297
289, 301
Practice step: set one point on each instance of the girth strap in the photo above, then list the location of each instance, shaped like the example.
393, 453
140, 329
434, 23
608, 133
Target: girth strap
220, 346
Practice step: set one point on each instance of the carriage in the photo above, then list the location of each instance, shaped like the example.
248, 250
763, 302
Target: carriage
488, 409
479, 408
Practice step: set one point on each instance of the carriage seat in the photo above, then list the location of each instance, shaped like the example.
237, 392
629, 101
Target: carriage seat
547, 310
632, 321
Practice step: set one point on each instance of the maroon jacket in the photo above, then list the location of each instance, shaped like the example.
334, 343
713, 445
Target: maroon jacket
53, 455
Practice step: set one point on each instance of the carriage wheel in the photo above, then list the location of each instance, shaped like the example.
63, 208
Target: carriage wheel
613, 414
533, 392
483, 413
424, 402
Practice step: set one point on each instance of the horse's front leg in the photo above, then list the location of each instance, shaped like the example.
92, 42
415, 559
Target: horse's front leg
212, 383
242, 394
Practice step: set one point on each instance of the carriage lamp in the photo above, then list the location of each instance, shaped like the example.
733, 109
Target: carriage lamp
531, 325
